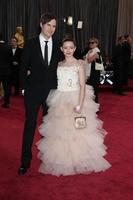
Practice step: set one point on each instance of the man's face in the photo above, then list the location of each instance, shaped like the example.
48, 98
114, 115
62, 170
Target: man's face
48, 28
130, 39
122, 40
13, 42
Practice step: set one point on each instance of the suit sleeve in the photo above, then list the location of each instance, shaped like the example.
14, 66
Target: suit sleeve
25, 65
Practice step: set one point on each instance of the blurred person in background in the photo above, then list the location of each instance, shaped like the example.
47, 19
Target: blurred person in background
5, 70
91, 55
19, 36
127, 58
118, 60
15, 65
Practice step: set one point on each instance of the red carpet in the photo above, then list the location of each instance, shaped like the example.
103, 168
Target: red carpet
114, 184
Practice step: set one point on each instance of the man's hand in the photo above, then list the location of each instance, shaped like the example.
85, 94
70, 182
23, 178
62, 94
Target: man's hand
15, 63
22, 92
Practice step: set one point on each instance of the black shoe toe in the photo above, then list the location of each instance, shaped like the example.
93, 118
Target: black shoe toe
5, 105
22, 170
121, 93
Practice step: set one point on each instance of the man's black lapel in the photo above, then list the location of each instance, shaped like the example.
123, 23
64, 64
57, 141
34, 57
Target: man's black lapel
37, 43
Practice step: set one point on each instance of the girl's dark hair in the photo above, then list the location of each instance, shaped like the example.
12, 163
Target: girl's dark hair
68, 38
47, 17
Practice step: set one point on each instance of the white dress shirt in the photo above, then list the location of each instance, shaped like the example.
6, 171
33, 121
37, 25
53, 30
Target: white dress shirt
42, 44
13, 51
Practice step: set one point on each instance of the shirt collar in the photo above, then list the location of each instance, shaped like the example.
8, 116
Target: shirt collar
2, 41
42, 39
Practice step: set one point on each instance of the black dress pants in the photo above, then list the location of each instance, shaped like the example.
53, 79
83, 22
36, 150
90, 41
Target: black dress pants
32, 105
6, 86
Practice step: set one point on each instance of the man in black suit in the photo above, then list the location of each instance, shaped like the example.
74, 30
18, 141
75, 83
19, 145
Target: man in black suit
118, 61
38, 75
127, 57
5, 69
15, 65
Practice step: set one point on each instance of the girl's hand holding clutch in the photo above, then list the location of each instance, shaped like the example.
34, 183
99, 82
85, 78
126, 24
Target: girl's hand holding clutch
77, 109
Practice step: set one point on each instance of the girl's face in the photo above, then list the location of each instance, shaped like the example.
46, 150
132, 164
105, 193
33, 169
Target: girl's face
68, 48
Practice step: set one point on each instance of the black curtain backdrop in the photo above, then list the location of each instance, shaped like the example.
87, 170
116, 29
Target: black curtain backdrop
99, 19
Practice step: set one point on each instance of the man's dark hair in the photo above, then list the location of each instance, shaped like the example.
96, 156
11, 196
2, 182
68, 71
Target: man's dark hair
47, 17
126, 36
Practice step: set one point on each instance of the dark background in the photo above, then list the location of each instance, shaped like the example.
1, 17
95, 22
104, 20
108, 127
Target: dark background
99, 19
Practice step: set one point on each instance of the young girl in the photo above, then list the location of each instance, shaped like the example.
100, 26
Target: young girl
64, 149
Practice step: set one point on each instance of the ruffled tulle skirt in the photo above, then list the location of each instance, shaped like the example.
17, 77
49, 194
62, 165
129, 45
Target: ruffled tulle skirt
65, 150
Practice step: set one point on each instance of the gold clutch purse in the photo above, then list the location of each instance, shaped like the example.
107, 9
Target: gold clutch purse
99, 66
80, 122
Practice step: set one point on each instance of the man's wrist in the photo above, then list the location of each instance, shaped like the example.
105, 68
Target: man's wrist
22, 91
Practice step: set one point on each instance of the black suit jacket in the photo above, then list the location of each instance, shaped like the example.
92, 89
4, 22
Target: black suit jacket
127, 51
5, 59
17, 56
42, 78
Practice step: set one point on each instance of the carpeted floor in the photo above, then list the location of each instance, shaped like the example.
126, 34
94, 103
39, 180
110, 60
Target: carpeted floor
114, 184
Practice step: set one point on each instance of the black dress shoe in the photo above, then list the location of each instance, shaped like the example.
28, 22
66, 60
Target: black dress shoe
5, 105
16, 94
114, 91
22, 170
121, 93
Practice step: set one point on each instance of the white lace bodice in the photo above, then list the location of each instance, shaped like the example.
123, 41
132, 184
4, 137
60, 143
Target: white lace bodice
68, 79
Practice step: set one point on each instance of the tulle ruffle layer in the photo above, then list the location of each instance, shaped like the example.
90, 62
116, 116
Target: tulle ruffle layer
65, 150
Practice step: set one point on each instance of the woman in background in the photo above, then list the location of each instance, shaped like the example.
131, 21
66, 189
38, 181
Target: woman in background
91, 56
